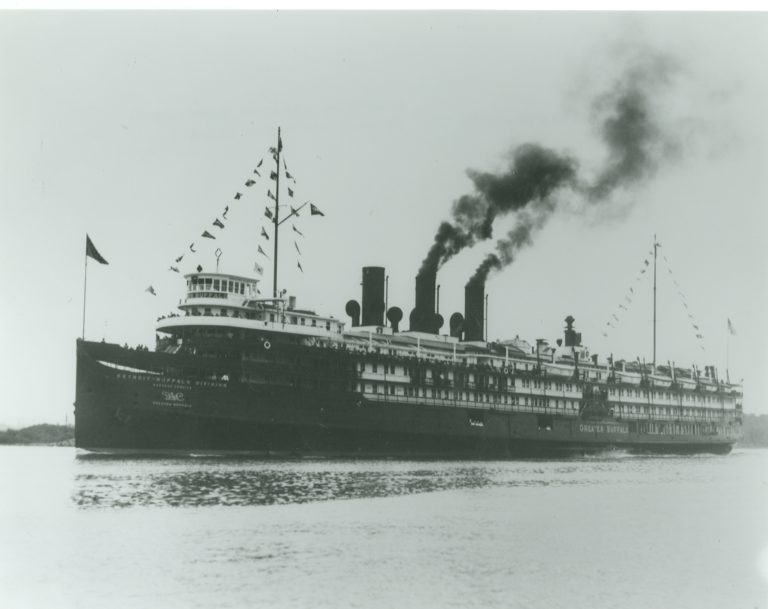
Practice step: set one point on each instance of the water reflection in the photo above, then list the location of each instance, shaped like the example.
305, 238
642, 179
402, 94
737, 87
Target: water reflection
252, 483
112, 482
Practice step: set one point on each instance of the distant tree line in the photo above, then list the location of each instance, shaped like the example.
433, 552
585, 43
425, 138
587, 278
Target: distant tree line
38, 434
755, 433
755, 430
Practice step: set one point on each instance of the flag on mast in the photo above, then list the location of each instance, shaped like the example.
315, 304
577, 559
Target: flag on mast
92, 252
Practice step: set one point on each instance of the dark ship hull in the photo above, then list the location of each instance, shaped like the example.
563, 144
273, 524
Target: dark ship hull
303, 402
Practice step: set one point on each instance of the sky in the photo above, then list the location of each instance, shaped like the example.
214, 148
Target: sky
139, 127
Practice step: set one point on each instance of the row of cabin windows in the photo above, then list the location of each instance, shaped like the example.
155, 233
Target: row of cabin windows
661, 411
219, 285
208, 311
661, 395
391, 369
470, 396
548, 385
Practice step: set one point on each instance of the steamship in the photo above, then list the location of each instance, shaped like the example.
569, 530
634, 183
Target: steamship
235, 372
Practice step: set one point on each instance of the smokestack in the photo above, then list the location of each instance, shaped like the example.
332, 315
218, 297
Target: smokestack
373, 296
423, 314
474, 304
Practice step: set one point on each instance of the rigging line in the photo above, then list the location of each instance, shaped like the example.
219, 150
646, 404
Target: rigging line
631, 289
699, 336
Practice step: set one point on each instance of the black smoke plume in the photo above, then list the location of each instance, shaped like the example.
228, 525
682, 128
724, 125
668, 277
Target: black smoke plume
634, 143
534, 174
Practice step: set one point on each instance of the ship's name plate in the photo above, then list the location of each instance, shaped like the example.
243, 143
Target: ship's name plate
174, 399
603, 428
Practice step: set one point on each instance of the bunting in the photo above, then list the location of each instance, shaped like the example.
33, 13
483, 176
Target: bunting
290, 192
250, 183
151, 290
207, 235
299, 265
314, 211
238, 195
259, 163
268, 213
179, 258
192, 247
296, 245
218, 223
272, 175
290, 177
731, 329
271, 196
262, 252
174, 269
226, 210
258, 268
264, 233
296, 230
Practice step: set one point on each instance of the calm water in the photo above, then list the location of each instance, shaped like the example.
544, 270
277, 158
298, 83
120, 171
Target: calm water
614, 531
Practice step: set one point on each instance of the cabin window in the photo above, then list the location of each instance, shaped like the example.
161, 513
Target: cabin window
224, 312
294, 319
207, 311
303, 322
271, 317
216, 284
314, 323
327, 325
242, 288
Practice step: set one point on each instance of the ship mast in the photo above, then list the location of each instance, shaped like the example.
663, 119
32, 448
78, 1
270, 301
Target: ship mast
655, 247
277, 210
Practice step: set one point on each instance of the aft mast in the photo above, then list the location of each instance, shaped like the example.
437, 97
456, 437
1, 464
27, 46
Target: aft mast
655, 247
277, 209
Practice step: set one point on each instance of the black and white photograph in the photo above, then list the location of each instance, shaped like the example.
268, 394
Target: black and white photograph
331, 309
